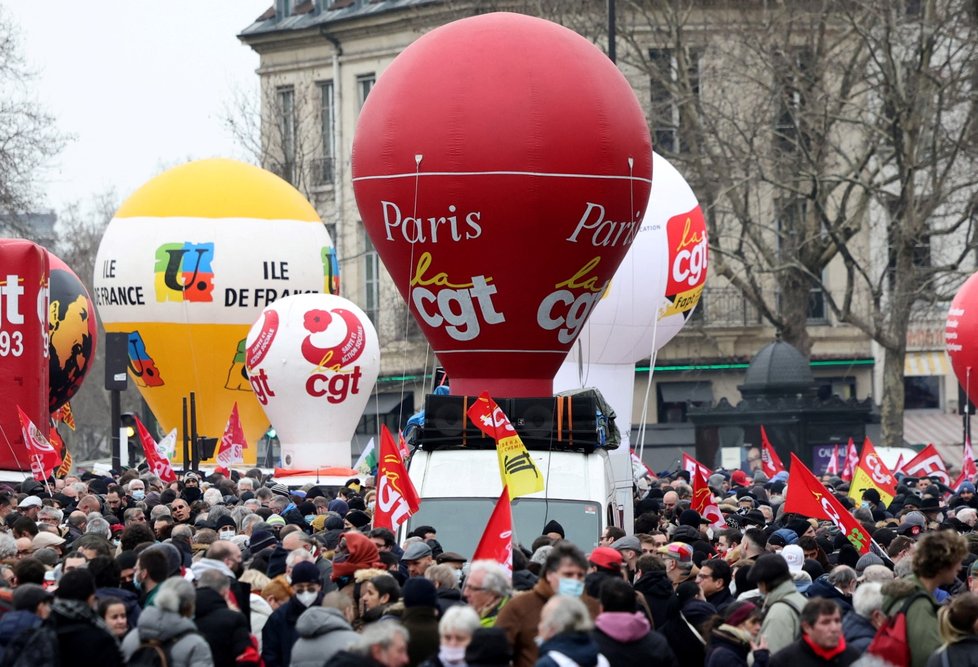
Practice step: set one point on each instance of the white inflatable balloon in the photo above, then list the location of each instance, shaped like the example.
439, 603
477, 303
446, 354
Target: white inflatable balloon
313, 360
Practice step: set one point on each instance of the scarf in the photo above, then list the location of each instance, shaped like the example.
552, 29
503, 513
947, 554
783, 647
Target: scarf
826, 653
77, 610
356, 552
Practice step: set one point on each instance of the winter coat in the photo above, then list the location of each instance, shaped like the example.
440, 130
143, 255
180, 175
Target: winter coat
279, 633
922, 633
721, 599
521, 615
260, 611
821, 588
800, 654
322, 633
129, 599
628, 639
448, 597
226, 630
578, 646
684, 632
347, 659
190, 650
730, 647
82, 637
422, 626
15, 623
658, 590
782, 615
858, 631
959, 654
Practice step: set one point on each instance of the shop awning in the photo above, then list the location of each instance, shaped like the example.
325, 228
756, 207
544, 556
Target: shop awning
923, 427
926, 363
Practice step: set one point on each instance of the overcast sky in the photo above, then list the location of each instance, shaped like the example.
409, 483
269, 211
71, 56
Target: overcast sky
141, 85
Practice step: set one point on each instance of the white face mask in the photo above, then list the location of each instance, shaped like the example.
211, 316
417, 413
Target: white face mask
306, 598
451, 655
458, 576
226, 534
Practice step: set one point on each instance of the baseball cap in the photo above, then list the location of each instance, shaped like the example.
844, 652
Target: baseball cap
606, 557
678, 551
794, 556
30, 501
740, 478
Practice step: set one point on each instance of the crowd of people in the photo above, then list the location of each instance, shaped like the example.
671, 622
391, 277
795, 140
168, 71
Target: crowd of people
240, 571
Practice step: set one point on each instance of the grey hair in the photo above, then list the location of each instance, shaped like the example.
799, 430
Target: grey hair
176, 595
877, 573
567, 614
250, 520
48, 512
99, 526
215, 512
298, 556
495, 578
213, 496
868, 598
129, 485
966, 513
8, 546
459, 618
158, 511
213, 579
442, 575
903, 568
842, 576
380, 634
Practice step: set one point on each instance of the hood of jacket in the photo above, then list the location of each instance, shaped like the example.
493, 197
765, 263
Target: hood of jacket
823, 589
259, 605
317, 621
578, 646
13, 623
155, 623
783, 590
205, 564
655, 584
623, 626
209, 601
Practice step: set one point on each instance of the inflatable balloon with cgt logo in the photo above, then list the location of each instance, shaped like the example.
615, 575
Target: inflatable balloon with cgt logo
503, 198
186, 266
312, 360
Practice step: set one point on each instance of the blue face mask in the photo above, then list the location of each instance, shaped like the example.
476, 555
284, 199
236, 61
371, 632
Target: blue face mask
570, 587
309, 518
138, 494
137, 584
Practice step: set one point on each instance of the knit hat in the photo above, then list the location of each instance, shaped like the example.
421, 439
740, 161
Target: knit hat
488, 647
553, 527
800, 526
339, 506
738, 612
226, 520
358, 518
866, 560
419, 592
281, 490
789, 536
305, 572
691, 518
261, 539
768, 568
275, 520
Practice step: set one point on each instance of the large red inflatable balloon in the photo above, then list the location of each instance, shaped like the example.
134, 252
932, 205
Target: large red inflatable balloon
961, 334
502, 166
71, 322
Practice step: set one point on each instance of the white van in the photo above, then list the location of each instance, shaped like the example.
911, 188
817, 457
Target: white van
459, 489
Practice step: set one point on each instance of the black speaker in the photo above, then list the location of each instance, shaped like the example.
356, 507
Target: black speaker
533, 418
564, 422
446, 424
116, 361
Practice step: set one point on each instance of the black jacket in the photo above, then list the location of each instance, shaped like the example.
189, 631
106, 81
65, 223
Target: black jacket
721, 599
821, 588
858, 631
658, 590
960, 654
81, 642
225, 630
279, 633
727, 650
422, 626
800, 654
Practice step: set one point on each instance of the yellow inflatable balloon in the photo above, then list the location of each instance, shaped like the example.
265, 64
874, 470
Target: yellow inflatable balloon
186, 266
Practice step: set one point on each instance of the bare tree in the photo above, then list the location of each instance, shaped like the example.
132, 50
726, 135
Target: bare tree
28, 138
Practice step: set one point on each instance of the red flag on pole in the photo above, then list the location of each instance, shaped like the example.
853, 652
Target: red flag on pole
703, 501
497, 540
899, 465
808, 497
397, 498
233, 443
43, 457
159, 464
691, 466
833, 467
852, 458
927, 463
770, 461
968, 468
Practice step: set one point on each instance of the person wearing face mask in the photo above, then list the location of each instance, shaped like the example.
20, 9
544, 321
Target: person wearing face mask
563, 574
136, 491
191, 488
454, 634
279, 633
226, 528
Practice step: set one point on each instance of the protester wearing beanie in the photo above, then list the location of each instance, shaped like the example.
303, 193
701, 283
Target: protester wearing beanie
82, 638
279, 633
420, 618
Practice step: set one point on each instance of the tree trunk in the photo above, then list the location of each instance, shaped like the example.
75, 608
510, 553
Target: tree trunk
795, 294
891, 403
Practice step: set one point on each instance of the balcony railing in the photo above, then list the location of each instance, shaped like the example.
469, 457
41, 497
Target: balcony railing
727, 307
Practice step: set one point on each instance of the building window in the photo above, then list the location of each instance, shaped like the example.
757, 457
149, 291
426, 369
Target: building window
323, 168
792, 220
674, 398
285, 102
674, 81
371, 281
365, 83
843, 387
793, 74
922, 392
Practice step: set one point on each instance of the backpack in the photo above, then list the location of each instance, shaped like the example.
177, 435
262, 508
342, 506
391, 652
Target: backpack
890, 642
155, 653
792, 607
35, 648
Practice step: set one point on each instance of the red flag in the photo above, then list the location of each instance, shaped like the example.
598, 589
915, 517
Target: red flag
808, 497
397, 498
927, 462
691, 466
899, 465
159, 464
497, 540
852, 458
703, 501
42, 455
833, 467
770, 461
968, 468
233, 443
402, 446
872, 473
